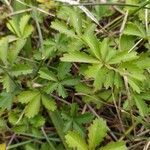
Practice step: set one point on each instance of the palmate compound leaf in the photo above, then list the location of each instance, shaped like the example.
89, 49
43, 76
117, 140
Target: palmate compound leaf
114, 146
74, 140
21, 69
77, 56
97, 131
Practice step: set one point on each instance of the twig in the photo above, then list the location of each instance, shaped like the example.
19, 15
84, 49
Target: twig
10, 141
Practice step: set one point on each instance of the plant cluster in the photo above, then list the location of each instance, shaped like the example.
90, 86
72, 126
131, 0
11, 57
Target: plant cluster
74, 76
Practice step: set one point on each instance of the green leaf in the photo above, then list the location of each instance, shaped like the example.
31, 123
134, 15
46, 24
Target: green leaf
141, 105
135, 29
51, 87
84, 118
138, 75
33, 107
83, 88
145, 96
124, 40
74, 140
123, 56
61, 91
47, 74
62, 28
131, 9
99, 78
63, 69
115, 146
14, 51
5, 100
97, 131
12, 25
23, 22
58, 124
134, 85
104, 48
76, 21
143, 61
27, 96
8, 84
3, 125
109, 79
21, 69
79, 57
27, 31
93, 43
48, 103
70, 82
37, 121
4, 50
92, 70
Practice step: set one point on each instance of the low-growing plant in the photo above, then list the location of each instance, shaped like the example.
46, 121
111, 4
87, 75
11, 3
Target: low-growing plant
74, 75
